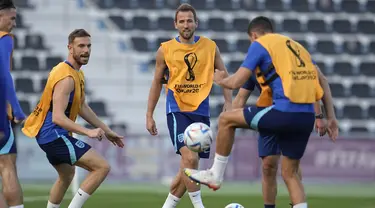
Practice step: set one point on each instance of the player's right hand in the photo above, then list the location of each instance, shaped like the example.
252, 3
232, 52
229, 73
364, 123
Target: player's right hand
97, 133
151, 126
19, 117
333, 128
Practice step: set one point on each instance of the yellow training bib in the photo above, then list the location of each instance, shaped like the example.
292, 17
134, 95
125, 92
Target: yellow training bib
35, 120
191, 71
294, 66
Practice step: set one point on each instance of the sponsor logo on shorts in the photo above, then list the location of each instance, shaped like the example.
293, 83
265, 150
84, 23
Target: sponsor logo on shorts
249, 108
80, 144
180, 137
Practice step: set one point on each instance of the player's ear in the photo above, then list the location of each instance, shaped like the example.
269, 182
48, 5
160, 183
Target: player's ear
175, 25
69, 46
196, 24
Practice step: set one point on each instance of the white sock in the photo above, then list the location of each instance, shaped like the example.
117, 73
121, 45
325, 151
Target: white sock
219, 166
301, 205
18, 206
79, 199
171, 201
51, 205
196, 199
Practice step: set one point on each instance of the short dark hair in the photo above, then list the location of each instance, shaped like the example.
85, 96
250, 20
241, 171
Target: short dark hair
77, 33
7, 4
260, 24
186, 8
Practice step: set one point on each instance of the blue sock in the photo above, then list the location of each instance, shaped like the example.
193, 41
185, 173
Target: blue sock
269, 206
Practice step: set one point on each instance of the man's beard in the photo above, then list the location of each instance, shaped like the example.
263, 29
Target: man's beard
182, 34
77, 58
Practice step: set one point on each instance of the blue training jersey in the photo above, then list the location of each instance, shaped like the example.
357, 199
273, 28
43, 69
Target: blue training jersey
171, 104
50, 131
251, 84
258, 56
8, 93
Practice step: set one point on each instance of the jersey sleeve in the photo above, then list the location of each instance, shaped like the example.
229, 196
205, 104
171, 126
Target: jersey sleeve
249, 84
6, 47
254, 56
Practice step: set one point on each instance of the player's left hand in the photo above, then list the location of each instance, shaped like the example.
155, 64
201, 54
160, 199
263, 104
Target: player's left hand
115, 138
227, 106
219, 76
320, 127
333, 128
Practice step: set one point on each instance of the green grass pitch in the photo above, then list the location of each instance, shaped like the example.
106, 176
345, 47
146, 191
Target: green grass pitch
151, 195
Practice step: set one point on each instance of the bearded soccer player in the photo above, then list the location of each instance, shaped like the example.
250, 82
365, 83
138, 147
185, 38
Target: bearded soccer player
191, 61
53, 122
8, 151
286, 67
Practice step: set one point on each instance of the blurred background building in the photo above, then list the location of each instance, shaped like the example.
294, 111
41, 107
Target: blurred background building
340, 34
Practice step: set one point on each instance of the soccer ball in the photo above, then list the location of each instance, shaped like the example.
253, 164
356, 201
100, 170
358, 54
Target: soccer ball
198, 137
234, 205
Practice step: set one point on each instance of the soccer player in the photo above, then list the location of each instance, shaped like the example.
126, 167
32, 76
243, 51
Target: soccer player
8, 151
53, 122
286, 67
191, 61
268, 149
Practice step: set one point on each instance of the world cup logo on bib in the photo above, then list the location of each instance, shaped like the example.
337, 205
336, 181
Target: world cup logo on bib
190, 60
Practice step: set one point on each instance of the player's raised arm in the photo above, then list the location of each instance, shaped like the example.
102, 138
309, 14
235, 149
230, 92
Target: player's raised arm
60, 101
155, 91
219, 65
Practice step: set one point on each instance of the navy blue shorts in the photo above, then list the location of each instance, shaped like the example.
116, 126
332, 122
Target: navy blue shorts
8, 142
292, 129
267, 145
65, 149
178, 122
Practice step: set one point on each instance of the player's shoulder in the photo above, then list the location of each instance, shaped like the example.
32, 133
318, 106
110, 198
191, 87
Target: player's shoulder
61, 69
168, 42
6, 38
5, 34
206, 39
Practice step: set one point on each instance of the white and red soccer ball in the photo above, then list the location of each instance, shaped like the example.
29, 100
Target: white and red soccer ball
198, 137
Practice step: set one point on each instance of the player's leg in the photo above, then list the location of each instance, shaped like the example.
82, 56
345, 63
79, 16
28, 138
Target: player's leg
11, 187
177, 188
177, 123
228, 122
269, 151
293, 145
2, 201
98, 168
65, 176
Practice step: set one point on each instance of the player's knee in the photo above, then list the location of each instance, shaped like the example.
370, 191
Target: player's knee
289, 172
67, 176
190, 160
104, 168
269, 168
224, 119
